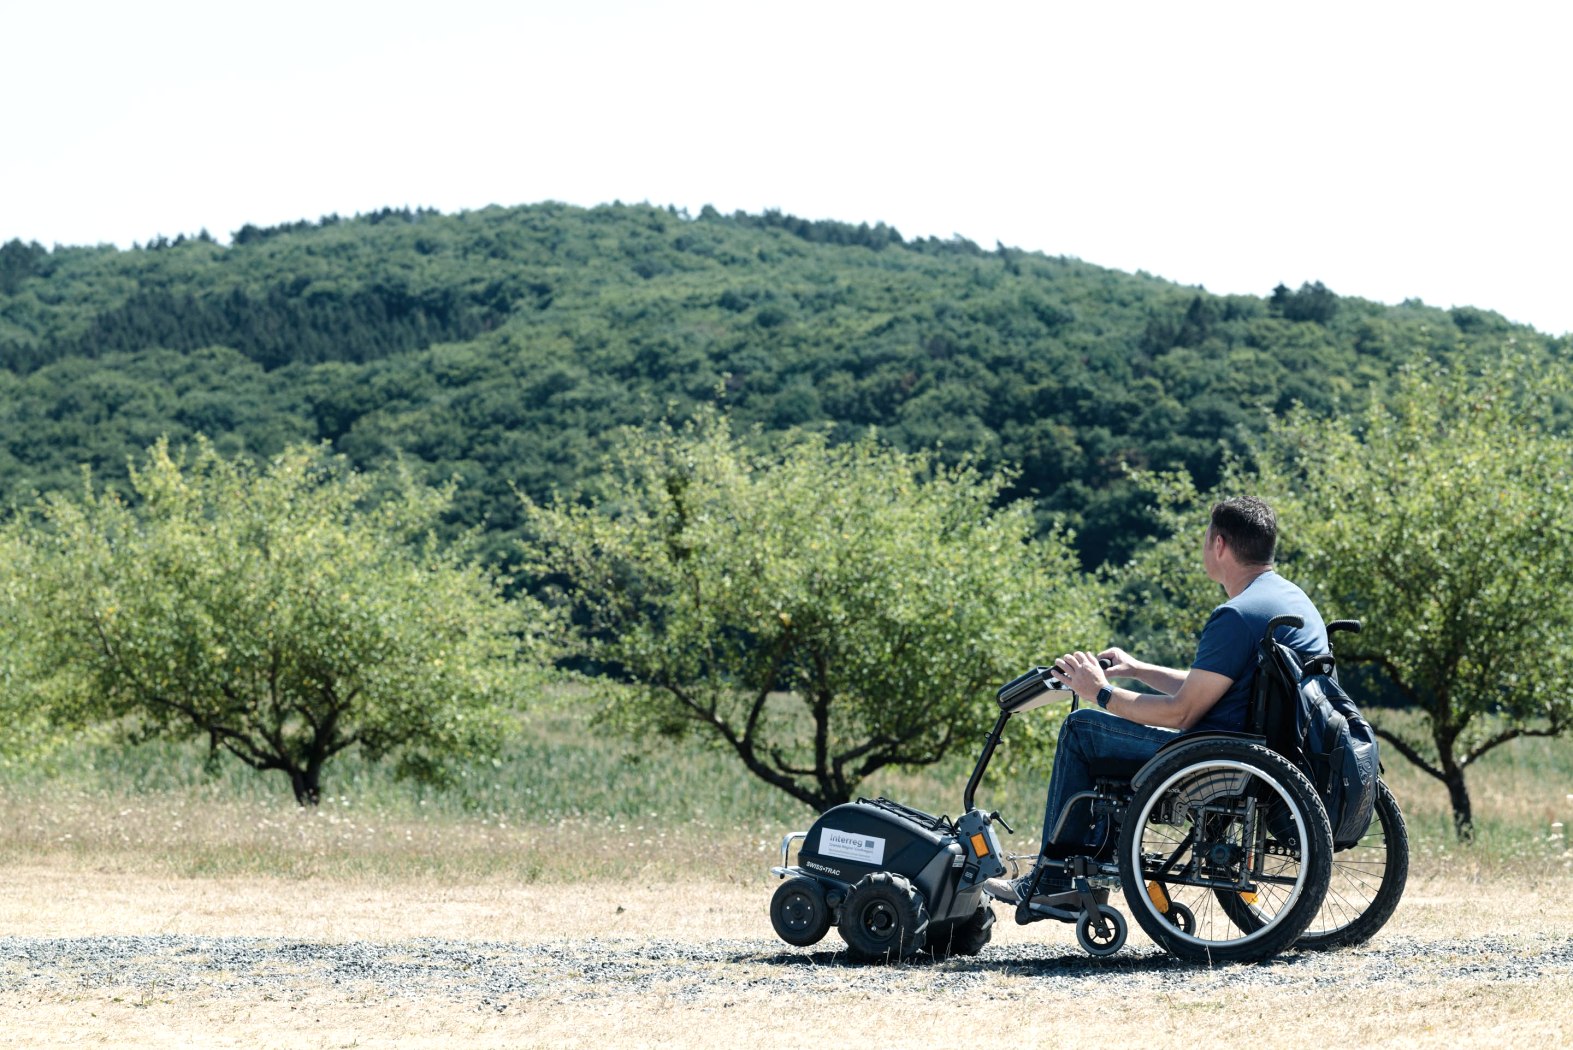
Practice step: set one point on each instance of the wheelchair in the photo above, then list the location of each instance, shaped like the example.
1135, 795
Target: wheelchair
1220, 843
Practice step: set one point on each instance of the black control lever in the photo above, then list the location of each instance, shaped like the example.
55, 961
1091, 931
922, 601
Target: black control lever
996, 818
1076, 700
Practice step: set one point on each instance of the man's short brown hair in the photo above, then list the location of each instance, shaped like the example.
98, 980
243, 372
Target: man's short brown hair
1248, 527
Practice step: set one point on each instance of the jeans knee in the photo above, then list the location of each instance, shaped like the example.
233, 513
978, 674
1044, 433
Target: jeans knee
1078, 723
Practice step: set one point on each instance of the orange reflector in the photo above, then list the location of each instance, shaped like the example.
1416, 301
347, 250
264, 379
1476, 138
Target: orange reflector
980, 845
1160, 898
1248, 896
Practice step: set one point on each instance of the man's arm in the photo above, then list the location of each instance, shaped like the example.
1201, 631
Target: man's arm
1124, 665
1194, 696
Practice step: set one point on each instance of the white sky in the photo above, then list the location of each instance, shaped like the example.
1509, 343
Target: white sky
1388, 149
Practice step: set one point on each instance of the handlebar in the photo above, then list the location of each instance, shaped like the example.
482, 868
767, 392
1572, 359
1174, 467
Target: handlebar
1105, 664
1283, 621
1034, 688
1352, 626
1028, 690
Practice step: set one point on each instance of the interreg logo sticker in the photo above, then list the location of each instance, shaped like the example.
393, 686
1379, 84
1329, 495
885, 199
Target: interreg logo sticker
865, 849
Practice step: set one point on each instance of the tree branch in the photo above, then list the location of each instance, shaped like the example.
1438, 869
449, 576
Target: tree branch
745, 750
758, 707
877, 762
1512, 733
1382, 661
1409, 752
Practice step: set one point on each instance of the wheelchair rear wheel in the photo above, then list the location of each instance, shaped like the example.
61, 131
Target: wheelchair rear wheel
1367, 881
1224, 817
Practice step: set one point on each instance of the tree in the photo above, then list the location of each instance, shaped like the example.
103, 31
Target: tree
1444, 520
283, 612
822, 611
1313, 302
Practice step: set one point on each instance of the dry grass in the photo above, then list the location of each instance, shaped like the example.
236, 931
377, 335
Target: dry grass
188, 835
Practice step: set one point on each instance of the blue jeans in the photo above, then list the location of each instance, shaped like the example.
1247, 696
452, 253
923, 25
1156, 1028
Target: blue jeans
1093, 743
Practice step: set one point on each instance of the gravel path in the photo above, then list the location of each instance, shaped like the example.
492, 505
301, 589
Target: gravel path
500, 975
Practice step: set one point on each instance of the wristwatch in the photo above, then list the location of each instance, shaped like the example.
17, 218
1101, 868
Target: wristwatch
1104, 696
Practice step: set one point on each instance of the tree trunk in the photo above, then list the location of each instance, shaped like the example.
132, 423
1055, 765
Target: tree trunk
307, 785
1458, 795
1445, 733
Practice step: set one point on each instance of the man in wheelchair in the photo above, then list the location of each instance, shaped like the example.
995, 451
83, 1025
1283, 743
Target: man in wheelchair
1126, 728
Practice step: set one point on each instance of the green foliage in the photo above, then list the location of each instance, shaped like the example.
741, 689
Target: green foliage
284, 613
1313, 302
1444, 519
505, 345
822, 611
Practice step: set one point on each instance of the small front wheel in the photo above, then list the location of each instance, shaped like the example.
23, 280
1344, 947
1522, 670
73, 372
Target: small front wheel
1101, 933
799, 913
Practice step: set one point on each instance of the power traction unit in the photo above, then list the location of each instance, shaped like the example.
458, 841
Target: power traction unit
895, 880
892, 879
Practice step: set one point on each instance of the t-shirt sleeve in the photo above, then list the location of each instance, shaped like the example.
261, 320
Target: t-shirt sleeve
1226, 646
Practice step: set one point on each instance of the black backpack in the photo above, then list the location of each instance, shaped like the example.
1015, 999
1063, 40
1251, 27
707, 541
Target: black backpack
1309, 719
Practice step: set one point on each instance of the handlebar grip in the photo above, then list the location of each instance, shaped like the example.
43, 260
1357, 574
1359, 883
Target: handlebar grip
1282, 621
1352, 626
1103, 663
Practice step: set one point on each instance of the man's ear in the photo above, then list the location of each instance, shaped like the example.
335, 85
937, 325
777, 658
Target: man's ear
1219, 544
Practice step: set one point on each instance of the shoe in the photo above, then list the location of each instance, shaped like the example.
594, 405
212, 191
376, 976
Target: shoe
1011, 891
1035, 883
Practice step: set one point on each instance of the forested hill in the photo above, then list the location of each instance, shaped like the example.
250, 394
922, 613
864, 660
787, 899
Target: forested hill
503, 345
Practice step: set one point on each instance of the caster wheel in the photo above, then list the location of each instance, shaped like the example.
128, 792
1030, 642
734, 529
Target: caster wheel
1101, 934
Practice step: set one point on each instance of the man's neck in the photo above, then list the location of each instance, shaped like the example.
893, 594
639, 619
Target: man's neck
1243, 577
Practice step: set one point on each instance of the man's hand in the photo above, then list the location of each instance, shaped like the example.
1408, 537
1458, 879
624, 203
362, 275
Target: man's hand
1082, 673
1121, 663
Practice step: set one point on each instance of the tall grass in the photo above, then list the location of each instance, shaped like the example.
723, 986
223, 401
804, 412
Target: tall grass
569, 801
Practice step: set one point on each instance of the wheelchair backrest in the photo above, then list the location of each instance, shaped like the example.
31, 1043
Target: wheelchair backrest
1275, 696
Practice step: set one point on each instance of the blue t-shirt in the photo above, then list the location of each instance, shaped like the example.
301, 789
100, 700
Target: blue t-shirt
1228, 642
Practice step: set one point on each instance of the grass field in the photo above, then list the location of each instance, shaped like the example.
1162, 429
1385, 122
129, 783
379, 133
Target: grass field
575, 837
629, 812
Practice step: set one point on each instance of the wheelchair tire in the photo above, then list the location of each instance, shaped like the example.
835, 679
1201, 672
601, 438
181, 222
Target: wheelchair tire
1367, 881
883, 919
1224, 817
